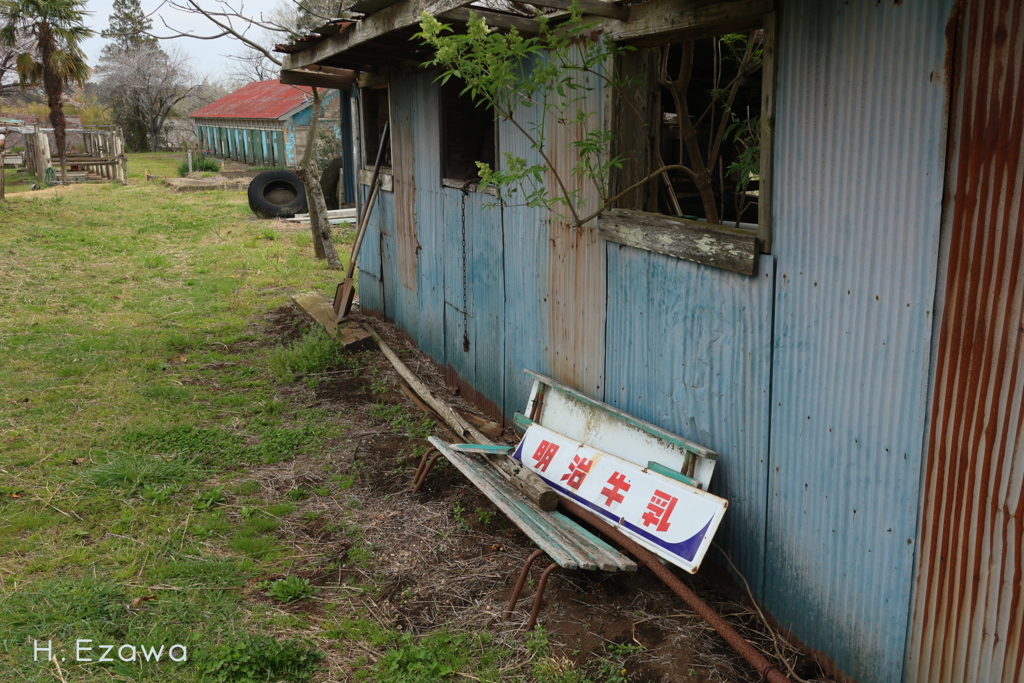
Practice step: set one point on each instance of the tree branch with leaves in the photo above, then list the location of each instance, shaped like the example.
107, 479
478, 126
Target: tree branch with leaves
552, 74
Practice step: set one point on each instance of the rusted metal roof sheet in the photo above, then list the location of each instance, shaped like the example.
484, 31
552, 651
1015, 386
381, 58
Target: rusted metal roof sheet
259, 100
860, 149
969, 604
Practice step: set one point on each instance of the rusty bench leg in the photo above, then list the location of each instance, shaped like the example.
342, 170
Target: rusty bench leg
540, 595
519, 584
424, 469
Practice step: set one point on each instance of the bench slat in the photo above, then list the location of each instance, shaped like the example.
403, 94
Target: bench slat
568, 544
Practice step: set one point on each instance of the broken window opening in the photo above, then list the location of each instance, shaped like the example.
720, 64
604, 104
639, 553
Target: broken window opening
376, 113
710, 92
467, 134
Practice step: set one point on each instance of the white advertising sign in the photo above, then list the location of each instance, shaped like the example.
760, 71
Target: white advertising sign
669, 518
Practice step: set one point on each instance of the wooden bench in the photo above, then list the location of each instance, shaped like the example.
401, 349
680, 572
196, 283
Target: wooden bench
560, 413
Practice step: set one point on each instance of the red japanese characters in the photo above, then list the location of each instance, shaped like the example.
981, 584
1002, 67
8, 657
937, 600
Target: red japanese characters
578, 469
617, 482
659, 510
543, 455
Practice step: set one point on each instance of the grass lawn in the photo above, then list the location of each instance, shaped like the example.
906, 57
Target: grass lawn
183, 463
135, 395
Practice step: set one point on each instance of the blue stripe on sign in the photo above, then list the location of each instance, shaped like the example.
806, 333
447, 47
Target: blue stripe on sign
685, 549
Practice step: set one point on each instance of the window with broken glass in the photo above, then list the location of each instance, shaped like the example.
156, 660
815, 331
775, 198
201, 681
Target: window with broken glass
376, 113
702, 103
467, 135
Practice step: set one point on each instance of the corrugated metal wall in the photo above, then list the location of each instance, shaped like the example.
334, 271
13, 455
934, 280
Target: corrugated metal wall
810, 378
861, 120
689, 349
968, 608
457, 306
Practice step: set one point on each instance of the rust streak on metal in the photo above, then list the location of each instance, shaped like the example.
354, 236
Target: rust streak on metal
404, 167
967, 617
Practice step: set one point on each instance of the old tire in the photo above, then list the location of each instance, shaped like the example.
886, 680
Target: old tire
277, 194
329, 182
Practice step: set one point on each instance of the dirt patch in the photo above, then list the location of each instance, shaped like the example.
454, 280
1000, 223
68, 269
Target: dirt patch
447, 557
204, 184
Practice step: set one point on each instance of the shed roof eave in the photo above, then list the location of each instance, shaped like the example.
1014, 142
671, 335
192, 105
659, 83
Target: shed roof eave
401, 15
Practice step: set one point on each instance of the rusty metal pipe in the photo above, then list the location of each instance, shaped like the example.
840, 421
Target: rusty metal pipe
519, 584
419, 468
426, 470
541, 585
768, 671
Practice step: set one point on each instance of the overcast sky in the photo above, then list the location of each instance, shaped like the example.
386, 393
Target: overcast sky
209, 55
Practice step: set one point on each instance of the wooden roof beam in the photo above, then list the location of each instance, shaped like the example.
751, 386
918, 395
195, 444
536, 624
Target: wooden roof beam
496, 19
659, 20
319, 79
598, 8
401, 15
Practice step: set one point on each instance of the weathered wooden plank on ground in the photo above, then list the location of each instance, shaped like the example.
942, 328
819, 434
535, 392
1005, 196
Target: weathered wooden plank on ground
566, 543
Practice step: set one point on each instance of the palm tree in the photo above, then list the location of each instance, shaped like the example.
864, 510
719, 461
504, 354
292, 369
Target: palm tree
57, 30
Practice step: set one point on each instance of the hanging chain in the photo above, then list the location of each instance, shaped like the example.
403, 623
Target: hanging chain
465, 301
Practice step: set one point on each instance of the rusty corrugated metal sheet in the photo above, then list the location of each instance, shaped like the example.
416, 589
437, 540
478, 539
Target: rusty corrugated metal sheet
429, 218
576, 263
399, 255
859, 158
967, 621
260, 100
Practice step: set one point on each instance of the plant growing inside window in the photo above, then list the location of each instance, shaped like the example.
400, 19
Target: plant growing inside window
537, 83
550, 73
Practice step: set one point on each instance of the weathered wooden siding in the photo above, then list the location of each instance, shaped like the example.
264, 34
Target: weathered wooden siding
860, 137
969, 604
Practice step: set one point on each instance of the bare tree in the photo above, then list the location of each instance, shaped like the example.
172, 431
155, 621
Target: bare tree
309, 174
146, 85
9, 64
250, 66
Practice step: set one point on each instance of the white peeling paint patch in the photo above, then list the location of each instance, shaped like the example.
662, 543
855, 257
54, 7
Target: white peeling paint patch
708, 245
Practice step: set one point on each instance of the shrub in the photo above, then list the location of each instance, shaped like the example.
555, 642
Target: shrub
261, 658
291, 589
314, 353
199, 164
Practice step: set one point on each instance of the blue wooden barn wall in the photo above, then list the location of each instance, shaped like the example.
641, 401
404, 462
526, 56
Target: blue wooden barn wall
859, 173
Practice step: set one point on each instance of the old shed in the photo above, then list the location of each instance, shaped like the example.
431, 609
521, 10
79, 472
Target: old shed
265, 123
852, 348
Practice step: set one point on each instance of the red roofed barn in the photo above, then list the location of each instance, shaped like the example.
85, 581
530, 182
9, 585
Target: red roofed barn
264, 123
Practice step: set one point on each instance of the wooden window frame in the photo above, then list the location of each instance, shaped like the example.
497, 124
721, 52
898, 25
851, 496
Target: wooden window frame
372, 83
719, 246
446, 179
